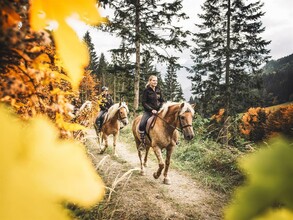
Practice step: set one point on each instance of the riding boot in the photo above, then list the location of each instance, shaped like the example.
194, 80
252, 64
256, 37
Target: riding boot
142, 146
98, 126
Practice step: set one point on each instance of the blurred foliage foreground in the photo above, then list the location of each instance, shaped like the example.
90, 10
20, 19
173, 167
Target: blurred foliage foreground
39, 171
268, 192
41, 68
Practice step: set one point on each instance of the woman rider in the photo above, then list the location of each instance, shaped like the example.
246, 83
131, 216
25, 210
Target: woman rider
106, 103
152, 101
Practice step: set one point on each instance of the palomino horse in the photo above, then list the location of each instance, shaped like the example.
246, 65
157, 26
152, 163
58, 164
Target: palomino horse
117, 113
163, 134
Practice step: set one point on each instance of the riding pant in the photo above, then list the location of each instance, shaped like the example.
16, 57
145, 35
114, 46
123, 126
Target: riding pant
100, 117
143, 121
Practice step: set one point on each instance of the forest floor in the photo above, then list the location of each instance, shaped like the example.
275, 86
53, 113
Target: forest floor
132, 196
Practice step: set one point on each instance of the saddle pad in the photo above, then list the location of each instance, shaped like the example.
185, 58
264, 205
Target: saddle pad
150, 123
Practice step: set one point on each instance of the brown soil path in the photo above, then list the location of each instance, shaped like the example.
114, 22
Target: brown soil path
143, 197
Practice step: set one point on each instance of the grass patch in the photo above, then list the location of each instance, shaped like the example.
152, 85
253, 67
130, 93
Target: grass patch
210, 163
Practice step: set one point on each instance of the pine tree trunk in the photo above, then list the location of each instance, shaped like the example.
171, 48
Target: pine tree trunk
227, 78
137, 61
115, 89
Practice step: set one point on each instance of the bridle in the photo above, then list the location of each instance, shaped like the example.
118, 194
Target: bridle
119, 116
182, 125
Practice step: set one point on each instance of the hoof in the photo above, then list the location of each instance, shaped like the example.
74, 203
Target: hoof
102, 151
167, 181
142, 173
155, 176
145, 165
141, 148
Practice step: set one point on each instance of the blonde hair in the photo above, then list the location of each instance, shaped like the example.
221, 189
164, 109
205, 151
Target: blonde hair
150, 79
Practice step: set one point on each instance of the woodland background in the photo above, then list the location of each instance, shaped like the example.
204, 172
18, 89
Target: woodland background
47, 74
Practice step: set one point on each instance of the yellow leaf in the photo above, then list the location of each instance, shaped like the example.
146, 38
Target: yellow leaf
38, 172
278, 214
73, 53
71, 50
66, 125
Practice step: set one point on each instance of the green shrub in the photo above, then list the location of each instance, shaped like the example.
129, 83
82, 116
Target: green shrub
210, 163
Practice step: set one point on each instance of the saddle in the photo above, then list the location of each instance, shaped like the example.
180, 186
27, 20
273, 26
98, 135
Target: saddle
150, 123
104, 118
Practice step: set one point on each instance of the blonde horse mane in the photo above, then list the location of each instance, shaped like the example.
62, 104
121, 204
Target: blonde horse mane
186, 108
114, 108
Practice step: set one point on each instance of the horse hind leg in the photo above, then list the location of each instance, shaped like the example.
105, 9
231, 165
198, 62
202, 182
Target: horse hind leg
142, 168
145, 163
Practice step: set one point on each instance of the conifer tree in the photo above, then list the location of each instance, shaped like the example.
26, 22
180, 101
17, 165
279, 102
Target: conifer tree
147, 69
122, 72
93, 64
228, 55
179, 93
191, 100
102, 70
147, 25
172, 87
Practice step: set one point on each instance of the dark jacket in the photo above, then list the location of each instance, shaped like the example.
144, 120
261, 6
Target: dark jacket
106, 103
152, 99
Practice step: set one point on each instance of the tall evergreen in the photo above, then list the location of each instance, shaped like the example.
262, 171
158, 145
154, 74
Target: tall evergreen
148, 25
147, 69
228, 55
122, 72
102, 70
172, 90
191, 100
179, 93
93, 64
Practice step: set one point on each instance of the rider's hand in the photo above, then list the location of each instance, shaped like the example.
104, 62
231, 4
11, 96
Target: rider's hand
154, 112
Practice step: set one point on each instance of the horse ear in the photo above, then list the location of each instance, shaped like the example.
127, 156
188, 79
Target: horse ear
193, 106
119, 104
182, 105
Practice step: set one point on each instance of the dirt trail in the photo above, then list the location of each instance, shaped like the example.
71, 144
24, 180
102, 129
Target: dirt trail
143, 197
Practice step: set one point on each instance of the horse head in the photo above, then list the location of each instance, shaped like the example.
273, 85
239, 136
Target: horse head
185, 115
123, 113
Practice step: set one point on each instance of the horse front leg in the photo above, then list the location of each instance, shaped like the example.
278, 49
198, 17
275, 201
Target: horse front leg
114, 144
167, 163
159, 156
105, 138
142, 172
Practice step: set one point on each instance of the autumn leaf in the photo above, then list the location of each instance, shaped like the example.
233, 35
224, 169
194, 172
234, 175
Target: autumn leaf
282, 214
38, 172
66, 125
72, 51
269, 183
10, 18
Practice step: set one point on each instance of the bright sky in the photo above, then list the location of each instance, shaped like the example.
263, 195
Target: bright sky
278, 21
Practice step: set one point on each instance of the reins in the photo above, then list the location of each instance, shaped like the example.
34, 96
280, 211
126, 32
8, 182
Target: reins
175, 127
180, 130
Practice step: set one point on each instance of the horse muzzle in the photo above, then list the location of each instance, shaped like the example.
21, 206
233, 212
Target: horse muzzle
125, 122
188, 134
188, 137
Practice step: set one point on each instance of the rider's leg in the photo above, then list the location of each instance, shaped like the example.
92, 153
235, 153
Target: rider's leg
99, 120
141, 129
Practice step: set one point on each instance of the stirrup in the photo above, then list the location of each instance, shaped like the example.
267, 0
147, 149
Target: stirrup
141, 147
